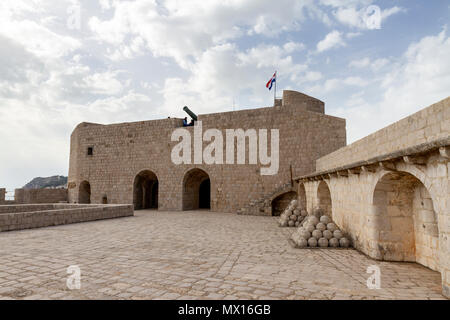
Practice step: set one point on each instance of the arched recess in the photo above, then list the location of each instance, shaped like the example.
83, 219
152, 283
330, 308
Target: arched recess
324, 198
84, 192
196, 190
280, 202
145, 190
405, 221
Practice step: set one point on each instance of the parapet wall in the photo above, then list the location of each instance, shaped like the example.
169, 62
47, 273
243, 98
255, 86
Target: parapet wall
18, 217
28, 196
425, 126
301, 100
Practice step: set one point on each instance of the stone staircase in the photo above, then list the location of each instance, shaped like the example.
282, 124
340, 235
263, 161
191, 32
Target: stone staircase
263, 205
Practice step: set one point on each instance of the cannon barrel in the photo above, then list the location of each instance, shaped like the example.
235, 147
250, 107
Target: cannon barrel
190, 113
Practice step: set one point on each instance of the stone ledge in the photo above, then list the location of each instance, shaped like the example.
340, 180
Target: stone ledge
57, 214
415, 150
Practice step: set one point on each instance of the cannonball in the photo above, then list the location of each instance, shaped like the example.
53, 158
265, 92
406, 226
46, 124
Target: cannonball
344, 242
327, 234
310, 227
296, 212
291, 223
337, 234
283, 223
294, 202
331, 226
293, 217
323, 242
320, 226
325, 219
317, 234
288, 212
312, 242
313, 219
297, 223
304, 213
318, 212
304, 234
302, 242
333, 242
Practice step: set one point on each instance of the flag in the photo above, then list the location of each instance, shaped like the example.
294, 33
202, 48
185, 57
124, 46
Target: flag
271, 81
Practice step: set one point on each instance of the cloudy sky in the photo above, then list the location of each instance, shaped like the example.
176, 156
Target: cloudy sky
64, 62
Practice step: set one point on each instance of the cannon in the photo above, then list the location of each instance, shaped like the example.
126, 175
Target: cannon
190, 113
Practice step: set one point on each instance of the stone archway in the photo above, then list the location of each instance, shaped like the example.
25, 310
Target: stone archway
196, 190
282, 201
84, 192
145, 190
324, 198
404, 220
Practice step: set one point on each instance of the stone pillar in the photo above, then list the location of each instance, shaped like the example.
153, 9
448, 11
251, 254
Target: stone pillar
2, 195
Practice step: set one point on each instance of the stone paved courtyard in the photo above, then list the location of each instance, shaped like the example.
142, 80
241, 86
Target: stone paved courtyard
193, 255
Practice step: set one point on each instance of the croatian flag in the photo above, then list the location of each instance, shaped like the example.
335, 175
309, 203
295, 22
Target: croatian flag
271, 81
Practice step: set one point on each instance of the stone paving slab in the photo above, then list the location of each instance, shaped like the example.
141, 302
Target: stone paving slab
193, 255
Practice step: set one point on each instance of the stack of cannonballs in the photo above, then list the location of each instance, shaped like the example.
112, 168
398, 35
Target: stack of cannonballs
317, 230
292, 216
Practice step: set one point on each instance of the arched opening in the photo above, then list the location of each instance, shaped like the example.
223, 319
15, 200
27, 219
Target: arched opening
302, 196
404, 221
324, 198
196, 190
205, 194
282, 201
84, 193
145, 191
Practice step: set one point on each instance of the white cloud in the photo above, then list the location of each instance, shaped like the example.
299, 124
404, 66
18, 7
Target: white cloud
331, 40
293, 46
362, 17
375, 65
419, 79
364, 62
184, 29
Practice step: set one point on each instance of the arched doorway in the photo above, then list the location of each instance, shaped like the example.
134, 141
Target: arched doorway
282, 201
84, 193
324, 198
404, 220
196, 190
145, 190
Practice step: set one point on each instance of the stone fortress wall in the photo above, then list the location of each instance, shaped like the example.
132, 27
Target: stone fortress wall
50, 195
390, 191
131, 162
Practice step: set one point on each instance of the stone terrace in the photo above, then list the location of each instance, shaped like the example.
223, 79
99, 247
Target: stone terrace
193, 255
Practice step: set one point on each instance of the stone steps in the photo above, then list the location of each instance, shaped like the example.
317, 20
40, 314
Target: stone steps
259, 206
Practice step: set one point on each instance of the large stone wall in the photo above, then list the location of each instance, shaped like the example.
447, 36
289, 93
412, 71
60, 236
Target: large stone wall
2, 195
394, 206
122, 151
28, 196
429, 124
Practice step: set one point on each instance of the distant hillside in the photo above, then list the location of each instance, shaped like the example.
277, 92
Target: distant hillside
49, 182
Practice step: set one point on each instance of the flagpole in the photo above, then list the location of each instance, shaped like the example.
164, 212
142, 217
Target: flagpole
275, 91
